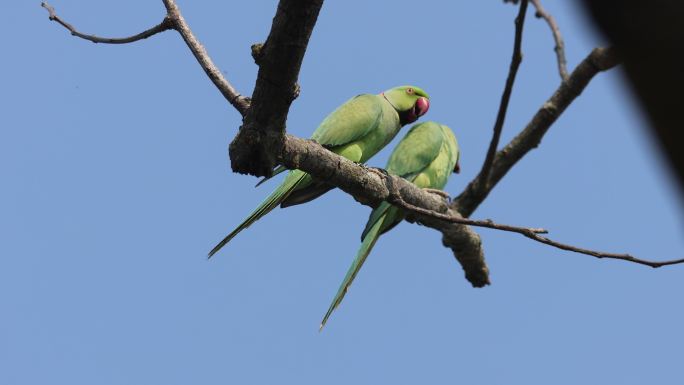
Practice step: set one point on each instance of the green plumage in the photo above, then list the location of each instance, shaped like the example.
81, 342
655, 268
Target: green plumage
357, 130
426, 156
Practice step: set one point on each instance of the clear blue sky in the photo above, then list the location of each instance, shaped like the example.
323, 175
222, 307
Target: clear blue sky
116, 183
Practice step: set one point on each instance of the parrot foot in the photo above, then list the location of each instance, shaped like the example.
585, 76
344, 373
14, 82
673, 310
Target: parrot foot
441, 193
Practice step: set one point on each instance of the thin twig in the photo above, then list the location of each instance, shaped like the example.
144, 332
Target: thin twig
241, 103
396, 199
506, 96
601, 254
161, 27
557, 37
173, 20
531, 233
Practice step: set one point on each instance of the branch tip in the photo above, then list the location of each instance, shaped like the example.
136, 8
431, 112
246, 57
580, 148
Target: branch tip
557, 37
161, 27
257, 52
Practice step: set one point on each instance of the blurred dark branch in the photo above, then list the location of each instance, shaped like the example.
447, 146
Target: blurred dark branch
506, 96
649, 37
557, 37
600, 59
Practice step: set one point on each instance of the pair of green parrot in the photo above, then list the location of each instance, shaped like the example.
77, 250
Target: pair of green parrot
357, 130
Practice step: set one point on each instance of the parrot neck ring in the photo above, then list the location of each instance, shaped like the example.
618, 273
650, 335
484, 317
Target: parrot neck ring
421, 106
388, 101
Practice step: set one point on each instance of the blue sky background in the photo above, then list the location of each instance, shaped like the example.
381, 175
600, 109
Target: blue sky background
115, 184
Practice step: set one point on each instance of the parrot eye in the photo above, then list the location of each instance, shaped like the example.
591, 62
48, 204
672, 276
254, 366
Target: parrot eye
409, 91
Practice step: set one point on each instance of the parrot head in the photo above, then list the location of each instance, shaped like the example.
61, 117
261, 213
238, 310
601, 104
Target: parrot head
410, 102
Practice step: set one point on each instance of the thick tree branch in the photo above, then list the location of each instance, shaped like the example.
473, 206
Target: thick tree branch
161, 27
516, 59
600, 59
368, 188
371, 188
559, 48
279, 59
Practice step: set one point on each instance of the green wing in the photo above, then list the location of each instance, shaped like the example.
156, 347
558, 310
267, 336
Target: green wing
350, 122
416, 151
453, 148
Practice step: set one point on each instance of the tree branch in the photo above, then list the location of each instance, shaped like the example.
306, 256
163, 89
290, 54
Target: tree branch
557, 37
371, 188
279, 59
601, 254
396, 199
368, 188
241, 103
173, 20
506, 96
600, 59
161, 27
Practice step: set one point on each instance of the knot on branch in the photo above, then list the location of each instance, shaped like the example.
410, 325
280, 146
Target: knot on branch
169, 23
254, 152
241, 102
296, 90
604, 58
257, 52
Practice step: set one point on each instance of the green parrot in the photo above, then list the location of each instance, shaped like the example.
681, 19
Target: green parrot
426, 156
356, 130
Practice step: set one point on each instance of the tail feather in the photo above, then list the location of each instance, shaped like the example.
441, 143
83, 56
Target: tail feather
371, 236
296, 178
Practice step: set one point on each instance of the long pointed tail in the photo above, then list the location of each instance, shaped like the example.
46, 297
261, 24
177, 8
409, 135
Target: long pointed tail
371, 236
294, 179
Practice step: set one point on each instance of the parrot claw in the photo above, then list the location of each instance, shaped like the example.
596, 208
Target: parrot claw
441, 193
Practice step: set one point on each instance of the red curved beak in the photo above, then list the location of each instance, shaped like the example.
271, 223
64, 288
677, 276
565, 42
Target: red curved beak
422, 106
